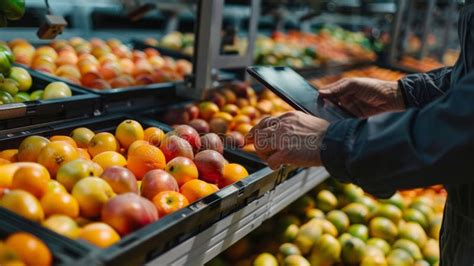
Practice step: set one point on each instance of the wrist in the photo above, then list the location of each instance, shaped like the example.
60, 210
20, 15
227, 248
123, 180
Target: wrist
394, 95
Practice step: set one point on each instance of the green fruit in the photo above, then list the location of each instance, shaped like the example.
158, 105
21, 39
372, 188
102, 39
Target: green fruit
5, 98
389, 211
10, 86
435, 226
352, 192
265, 259
383, 228
414, 232
37, 95
343, 238
396, 200
431, 251
327, 226
7, 51
422, 200
357, 213
423, 208
421, 263
57, 90
296, 260
290, 233
326, 201
21, 76
339, 219
287, 249
21, 97
373, 261
370, 203
353, 251
399, 257
380, 244
308, 234
314, 214
414, 215
326, 251
408, 246
13, 9
360, 231
5, 64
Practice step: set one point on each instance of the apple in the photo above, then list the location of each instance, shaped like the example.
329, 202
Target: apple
183, 169
128, 212
156, 181
174, 146
189, 134
120, 179
56, 90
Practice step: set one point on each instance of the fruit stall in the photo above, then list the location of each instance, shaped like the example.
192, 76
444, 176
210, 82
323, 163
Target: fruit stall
123, 126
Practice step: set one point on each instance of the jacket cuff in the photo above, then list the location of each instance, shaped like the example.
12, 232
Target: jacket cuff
334, 151
407, 86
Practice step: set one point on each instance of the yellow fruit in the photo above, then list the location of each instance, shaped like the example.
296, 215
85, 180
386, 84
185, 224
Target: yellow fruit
99, 234
357, 213
383, 228
62, 225
389, 211
30, 148
326, 251
55, 154
399, 257
56, 187
408, 246
414, 232
91, 194
60, 203
110, 158
339, 219
82, 136
71, 172
380, 244
431, 251
129, 131
353, 251
326, 201
24, 204
265, 259
101, 142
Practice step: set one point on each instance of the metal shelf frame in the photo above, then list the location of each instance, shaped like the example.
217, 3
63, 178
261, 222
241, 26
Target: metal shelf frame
217, 238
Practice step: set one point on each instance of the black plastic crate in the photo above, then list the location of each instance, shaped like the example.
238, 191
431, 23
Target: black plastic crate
64, 252
149, 242
80, 105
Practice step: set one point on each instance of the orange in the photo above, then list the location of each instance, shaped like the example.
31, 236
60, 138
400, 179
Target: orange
129, 131
30, 148
99, 234
154, 135
108, 159
63, 225
102, 142
60, 203
82, 136
8, 256
83, 154
243, 129
144, 158
3, 161
136, 144
65, 139
32, 179
24, 204
10, 155
167, 202
56, 153
232, 173
196, 189
32, 250
55, 186
7, 171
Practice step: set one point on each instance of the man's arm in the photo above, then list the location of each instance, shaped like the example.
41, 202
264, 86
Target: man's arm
420, 89
415, 148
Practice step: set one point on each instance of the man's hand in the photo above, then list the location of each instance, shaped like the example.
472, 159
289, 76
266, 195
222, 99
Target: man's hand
365, 97
292, 138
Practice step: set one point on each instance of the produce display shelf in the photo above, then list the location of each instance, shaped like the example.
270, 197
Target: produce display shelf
81, 104
153, 240
217, 238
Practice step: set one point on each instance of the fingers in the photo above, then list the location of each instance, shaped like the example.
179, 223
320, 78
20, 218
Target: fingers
337, 89
275, 160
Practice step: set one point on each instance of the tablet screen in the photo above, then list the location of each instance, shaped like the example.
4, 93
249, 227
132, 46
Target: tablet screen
295, 90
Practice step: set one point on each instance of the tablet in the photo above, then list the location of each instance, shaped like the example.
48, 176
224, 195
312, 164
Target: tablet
297, 92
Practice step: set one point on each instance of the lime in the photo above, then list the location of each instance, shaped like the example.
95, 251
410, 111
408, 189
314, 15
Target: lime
389, 211
380, 244
360, 231
326, 250
5, 97
10, 86
408, 246
343, 238
357, 213
37, 95
353, 251
383, 228
414, 215
21, 97
339, 219
326, 201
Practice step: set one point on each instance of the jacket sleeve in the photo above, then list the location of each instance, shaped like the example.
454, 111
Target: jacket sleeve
404, 150
422, 88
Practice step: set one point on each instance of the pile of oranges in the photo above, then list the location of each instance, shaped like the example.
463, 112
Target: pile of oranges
100, 186
22, 248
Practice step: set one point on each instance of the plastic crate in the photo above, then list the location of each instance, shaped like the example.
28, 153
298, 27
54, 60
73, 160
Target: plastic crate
64, 252
149, 242
81, 104
140, 45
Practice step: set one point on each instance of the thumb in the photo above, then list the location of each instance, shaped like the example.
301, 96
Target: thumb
336, 89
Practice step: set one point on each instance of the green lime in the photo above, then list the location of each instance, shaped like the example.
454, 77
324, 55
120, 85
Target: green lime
22, 97
37, 95
380, 244
326, 201
339, 219
5, 64
5, 97
10, 86
410, 247
357, 213
383, 228
360, 231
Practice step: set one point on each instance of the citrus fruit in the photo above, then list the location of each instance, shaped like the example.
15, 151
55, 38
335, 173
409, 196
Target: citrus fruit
167, 202
91, 194
33, 179
287, 249
326, 250
60, 203
3, 161
296, 260
24, 204
357, 213
32, 250
129, 131
30, 148
408, 246
154, 136
232, 173
307, 235
326, 201
380, 244
265, 259
56, 90
431, 251
55, 154
73, 171
384, 228
352, 192
360, 231
373, 257
63, 225
136, 144
370, 203
396, 200
343, 238
108, 159
10, 155
399, 257
327, 226
389, 211
290, 233
82, 136
421, 263
314, 214
353, 251
65, 139
339, 219
196, 189
9, 256
101, 142
99, 234
144, 158
435, 226
414, 232
414, 215
83, 154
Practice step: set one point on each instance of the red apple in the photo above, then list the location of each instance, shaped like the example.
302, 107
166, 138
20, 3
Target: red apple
189, 134
156, 181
